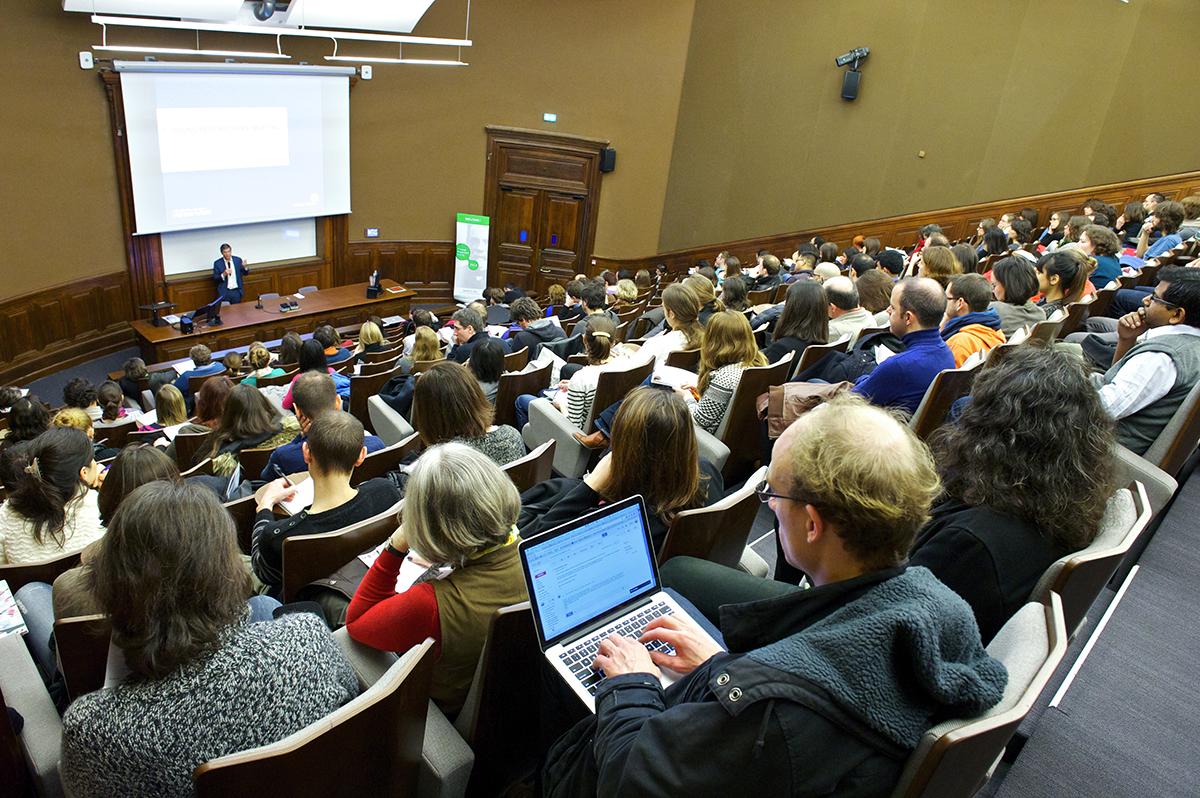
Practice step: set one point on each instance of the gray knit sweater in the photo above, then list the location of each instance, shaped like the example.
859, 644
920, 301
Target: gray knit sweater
145, 738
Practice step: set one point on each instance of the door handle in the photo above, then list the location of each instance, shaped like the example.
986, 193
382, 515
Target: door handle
546, 270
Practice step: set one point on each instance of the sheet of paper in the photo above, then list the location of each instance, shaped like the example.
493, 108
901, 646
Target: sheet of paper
389, 321
497, 330
411, 569
149, 417
675, 377
303, 498
11, 622
298, 296
183, 366
882, 353
172, 431
395, 289
171, 319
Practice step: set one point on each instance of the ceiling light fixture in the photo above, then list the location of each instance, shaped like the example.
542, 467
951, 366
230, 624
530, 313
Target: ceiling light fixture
116, 48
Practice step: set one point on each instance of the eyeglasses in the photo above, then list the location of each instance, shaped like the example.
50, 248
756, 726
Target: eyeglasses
763, 489
1163, 302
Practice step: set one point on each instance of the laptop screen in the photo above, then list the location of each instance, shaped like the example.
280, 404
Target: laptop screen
585, 570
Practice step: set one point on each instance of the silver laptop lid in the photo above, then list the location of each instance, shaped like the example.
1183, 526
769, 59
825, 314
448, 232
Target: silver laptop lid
589, 569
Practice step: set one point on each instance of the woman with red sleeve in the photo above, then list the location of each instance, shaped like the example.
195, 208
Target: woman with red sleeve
460, 510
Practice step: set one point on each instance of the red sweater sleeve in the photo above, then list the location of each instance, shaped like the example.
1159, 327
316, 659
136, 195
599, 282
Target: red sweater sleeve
389, 621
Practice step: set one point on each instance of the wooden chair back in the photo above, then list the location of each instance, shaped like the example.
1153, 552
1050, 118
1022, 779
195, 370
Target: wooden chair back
815, 353
761, 297
1046, 331
419, 366
283, 379
612, 387
149, 436
578, 359
253, 461
370, 746
379, 367
685, 359
46, 571
717, 533
630, 314
1148, 275
499, 722
780, 293
513, 385
307, 558
1102, 302
390, 353
638, 328
116, 435
82, 645
740, 429
196, 383
622, 328
243, 511
378, 463
947, 387
188, 445
533, 468
515, 361
363, 388
1077, 313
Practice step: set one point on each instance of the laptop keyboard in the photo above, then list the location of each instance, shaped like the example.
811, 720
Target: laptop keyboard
579, 657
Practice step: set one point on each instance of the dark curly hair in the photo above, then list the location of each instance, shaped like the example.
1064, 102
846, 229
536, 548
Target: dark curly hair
1034, 443
28, 419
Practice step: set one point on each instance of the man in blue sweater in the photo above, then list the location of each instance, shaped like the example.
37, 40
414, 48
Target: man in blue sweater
916, 311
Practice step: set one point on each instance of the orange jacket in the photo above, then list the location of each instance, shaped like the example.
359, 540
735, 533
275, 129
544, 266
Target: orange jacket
971, 339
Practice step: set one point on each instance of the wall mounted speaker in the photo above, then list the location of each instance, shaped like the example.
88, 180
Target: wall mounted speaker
850, 84
608, 159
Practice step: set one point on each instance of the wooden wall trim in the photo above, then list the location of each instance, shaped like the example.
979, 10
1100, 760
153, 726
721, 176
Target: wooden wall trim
902, 231
63, 326
427, 267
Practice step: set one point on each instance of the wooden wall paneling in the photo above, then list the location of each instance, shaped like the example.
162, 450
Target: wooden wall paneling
427, 267
901, 231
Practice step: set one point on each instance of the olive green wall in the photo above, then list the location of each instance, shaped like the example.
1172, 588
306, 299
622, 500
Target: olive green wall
609, 70
1004, 98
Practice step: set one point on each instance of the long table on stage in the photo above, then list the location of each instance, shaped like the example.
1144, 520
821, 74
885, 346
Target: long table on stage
242, 324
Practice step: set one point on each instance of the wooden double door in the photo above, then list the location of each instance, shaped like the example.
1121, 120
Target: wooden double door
542, 191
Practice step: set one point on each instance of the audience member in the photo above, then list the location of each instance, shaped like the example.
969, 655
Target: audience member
875, 294
1191, 218
448, 405
859, 265
487, 364
27, 419
81, 393
496, 310
535, 328
200, 675
460, 510
728, 350
332, 449
427, 348
75, 418
995, 243
512, 292
111, 401
469, 330
1004, 519
626, 295
970, 325
825, 271
170, 409
203, 364
1166, 220
702, 287
654, 453
1129, 224
233, 363
846, 315
804, 320
314, 396
249, 421
891, 261
370, 340
1103, 245
733, 293
848, 524
52, 510
289, 349
259, 358
938, 263
210, 407
642, 279
332, 343
916, 310
1015, 283
1062, 277
681, 312
766, 273
592, 297
313, 358
967, 257
134, 373
419, 318
1157, 360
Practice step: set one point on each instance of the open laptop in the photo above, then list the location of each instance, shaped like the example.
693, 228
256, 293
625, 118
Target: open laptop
589, 579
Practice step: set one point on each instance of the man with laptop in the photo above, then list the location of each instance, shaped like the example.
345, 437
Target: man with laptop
821, 691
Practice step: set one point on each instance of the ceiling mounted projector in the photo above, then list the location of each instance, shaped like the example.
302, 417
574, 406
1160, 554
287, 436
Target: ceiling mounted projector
392, 16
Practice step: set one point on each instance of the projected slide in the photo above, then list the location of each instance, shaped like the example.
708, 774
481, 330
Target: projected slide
209, 150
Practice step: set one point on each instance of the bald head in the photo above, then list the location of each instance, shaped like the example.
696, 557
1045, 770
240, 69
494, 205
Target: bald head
923, 298
841, 293
826, 271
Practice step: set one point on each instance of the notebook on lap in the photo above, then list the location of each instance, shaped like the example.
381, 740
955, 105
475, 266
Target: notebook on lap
589, 579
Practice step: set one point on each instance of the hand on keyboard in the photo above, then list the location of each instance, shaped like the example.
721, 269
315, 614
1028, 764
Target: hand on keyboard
619, 655
692, 647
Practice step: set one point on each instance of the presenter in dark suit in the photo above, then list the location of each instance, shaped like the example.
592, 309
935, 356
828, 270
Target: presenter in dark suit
228, 271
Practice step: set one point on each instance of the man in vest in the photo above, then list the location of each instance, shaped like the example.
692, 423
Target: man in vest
1157, 361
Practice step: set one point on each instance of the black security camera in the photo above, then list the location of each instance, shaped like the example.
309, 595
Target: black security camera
852, 57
